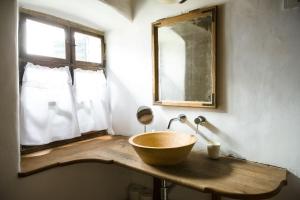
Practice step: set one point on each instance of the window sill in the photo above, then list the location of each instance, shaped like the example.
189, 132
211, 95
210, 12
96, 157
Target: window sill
227, 176
37, 148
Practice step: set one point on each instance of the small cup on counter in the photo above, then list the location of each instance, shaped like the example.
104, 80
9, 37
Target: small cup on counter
213, 150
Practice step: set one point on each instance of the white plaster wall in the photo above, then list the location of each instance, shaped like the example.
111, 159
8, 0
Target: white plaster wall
258, 114
77, 182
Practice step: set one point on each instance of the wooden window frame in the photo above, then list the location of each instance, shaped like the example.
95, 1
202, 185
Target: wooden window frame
70, 28
44, 60
84, 64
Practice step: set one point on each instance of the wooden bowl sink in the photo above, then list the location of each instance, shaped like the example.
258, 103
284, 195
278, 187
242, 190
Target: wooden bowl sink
163, 147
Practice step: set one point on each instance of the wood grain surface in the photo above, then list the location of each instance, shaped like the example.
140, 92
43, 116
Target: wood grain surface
226, 177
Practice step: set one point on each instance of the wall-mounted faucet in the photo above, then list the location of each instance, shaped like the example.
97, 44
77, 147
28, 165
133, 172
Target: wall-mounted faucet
200, 120
213, 148
182, 118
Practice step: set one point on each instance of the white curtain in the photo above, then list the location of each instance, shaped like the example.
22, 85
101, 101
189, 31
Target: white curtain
91, 97
47, 109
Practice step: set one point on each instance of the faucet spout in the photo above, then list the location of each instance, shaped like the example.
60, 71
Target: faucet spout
170, 122
182, 118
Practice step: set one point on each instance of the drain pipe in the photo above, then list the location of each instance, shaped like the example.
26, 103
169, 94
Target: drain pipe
164, 190
161, 189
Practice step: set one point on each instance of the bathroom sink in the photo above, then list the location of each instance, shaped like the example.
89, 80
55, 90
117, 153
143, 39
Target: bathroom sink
163, 147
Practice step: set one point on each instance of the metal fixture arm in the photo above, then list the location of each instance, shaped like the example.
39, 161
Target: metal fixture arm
182, 118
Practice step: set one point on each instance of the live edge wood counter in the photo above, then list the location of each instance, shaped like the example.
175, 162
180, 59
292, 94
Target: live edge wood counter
224, 177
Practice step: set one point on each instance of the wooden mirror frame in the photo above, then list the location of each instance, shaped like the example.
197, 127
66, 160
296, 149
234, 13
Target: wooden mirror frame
172, 20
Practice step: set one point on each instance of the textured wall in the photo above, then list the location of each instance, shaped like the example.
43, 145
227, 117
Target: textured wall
258, 116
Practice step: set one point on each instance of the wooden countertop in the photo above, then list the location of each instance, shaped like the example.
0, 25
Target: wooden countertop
227, 176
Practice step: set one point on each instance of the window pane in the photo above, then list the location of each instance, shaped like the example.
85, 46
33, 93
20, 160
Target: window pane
45, 40
88, 48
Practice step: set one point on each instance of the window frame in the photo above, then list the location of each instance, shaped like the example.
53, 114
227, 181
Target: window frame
70, 28
38, 59
84, 63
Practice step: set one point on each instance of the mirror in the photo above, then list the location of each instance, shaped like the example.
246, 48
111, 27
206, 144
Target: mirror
185, 59
144, 115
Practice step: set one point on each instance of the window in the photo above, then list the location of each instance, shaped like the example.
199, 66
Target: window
63, 91
45, 40
87, 48
54, 42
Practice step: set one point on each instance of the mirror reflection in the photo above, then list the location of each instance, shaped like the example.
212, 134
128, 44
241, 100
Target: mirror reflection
186, 60
144, 115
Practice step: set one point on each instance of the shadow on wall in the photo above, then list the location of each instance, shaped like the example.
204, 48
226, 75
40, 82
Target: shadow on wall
221, 91
226, 138
136, 6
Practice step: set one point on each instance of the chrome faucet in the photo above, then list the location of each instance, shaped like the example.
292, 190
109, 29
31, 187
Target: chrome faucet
200, 120
182, 118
